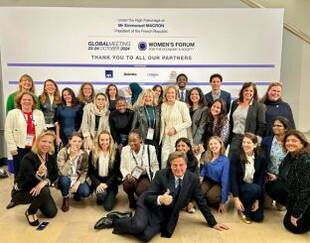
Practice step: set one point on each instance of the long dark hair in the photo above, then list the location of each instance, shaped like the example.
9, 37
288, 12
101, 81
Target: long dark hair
192, 160
107, 91
74, 99
253, 138
201, 97
247, 85
221, 122
304, 141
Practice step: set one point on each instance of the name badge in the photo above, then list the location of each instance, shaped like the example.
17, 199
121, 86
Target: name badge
137, 172
29, 140
150, 133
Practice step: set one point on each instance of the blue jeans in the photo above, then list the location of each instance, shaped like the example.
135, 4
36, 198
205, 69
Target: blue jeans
64, 184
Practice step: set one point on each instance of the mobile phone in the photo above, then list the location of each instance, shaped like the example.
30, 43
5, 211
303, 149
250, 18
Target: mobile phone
42, 225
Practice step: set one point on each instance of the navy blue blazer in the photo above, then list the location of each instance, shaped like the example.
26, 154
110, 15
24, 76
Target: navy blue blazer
237, 170
226, 96
266, 146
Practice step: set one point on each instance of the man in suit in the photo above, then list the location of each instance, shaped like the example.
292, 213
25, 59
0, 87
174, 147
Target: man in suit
158, 208
182, 81
216, 92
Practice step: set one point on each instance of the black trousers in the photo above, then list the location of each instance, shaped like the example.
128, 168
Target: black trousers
43, 201
139, 225
107, 198
303, 224
277, 191
21, 152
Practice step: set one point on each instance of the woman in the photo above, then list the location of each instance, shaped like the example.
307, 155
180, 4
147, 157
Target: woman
112, 94
175, 120
275, 106
247, 115
25, 84
104, 170
22, 126
120, 122
72, 163
49, 100
214, 174
217, 122
135, 90
138, 167
247, 179
38, 172
86, 93
158, 90
184, 145
147, 119
275, 152
297, 218
95, 119
198, 113
68, 116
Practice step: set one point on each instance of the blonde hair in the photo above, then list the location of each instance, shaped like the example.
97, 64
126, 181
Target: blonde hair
273, 84
97, 149
35, 146
141, 102
26, 76
167, 89
208, 156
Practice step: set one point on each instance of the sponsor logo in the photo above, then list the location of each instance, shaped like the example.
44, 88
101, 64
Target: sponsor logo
142, 45
109, 73
130, 74
153, 75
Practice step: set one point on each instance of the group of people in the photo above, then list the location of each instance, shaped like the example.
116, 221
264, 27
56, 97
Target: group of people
167, 149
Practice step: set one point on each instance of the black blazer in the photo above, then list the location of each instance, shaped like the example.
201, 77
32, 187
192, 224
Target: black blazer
266, 146
112, 179
140, 122
237, 170
186, 96
255, 120
226, 96
29, 165
168, 216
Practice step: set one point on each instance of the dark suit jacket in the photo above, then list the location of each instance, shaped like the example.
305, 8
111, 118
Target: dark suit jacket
140, 122
266, 146
255, 120
168, 215
237, 170
29, 165
226, 96
186, 96
199, 122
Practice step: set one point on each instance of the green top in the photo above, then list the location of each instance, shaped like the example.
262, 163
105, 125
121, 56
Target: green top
10, 103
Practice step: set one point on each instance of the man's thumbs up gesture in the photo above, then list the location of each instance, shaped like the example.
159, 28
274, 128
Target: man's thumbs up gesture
166, 199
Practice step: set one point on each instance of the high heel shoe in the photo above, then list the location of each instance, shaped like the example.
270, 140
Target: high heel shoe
35, 222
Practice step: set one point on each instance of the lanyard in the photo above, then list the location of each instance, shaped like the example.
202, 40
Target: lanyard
151, 123
136, 158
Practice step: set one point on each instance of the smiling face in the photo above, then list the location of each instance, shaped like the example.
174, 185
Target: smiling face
121, 106
158, 91
171, 95
67, 97
248, 93
214, 146
75, 143
293, 144
182, 81
194, 96
275, 93
104, 141
112, 92
248, 146
87, 90
45, 144
216, 84
178, 167
50, 88
182, 147
27, 102
26, 84
148, 99
100, 102
278, 128
216, 108
134, 142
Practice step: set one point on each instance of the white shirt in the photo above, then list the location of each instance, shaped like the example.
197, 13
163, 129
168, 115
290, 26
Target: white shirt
103, 164
249, 170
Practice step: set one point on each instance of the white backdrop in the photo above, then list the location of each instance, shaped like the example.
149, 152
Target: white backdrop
149, 46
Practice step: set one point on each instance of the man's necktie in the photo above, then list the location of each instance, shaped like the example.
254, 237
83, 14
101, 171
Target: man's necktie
182, 96
179, 187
